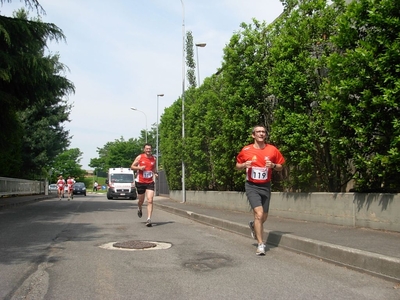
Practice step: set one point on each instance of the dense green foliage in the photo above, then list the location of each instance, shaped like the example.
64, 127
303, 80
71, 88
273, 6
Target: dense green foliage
32, 88
67, 164
297, 58
323, 78
363, 93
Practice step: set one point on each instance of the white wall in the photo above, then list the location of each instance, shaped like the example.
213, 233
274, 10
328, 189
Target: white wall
14, 186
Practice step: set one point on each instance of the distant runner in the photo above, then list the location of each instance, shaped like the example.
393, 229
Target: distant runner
70, 184
60, 187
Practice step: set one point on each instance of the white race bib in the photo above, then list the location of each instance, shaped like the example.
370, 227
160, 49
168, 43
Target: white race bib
258, 173
147, 174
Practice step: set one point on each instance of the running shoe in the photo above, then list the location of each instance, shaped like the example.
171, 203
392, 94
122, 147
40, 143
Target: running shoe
139, 213
260, 249
251, 225
148, 223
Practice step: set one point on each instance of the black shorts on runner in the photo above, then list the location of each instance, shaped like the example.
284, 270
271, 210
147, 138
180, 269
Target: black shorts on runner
142, 187
258, 194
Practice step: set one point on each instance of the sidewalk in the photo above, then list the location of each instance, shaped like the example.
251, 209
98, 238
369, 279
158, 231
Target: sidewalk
13, 201
373, 251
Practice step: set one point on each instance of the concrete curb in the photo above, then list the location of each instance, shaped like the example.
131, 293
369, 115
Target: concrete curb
375, 264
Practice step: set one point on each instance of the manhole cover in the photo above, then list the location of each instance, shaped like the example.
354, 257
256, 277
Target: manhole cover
134, 245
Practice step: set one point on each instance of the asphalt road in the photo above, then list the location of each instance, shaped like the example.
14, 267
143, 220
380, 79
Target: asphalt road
57, 250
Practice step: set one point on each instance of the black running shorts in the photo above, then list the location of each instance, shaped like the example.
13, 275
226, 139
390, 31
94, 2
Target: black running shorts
142, 187
258, 194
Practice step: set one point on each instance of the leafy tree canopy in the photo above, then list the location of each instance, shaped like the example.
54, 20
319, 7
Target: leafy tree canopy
32, 88
323, 78
67, 164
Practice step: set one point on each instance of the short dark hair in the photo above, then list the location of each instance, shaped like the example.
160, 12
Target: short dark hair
254, 128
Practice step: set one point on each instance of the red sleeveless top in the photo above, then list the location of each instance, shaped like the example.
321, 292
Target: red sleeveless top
146, 175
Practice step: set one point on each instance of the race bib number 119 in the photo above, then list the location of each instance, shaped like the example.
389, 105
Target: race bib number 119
259, 173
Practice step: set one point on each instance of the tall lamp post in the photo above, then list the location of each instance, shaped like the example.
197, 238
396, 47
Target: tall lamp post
134, 108
157, 153
198, 64
183, 102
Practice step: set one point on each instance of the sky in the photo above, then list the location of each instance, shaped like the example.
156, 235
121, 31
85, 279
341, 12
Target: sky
123, 53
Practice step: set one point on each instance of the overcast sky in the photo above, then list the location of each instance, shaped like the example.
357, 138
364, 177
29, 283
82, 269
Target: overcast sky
123, 53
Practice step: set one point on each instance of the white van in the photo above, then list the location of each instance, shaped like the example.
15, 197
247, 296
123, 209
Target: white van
121, 183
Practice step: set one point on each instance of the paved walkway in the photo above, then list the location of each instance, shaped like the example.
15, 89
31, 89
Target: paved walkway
373, 251
14, 201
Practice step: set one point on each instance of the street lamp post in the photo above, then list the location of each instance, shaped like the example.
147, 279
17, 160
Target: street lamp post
157, 153
134, 108
198, 64
183, 102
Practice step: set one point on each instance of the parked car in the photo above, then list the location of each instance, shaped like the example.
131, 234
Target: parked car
79, 188
53, 187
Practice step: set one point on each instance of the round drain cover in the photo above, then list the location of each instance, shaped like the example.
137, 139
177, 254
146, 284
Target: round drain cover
134, 245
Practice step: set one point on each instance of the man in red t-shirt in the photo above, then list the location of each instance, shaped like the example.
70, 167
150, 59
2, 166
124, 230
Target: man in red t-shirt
259, 159
145, 164
60, 186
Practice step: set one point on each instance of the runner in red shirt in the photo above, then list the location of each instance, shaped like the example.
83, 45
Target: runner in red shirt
70, 184
60, 186
259, 159
146, 166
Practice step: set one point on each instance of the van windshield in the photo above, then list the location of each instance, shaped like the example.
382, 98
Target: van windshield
122, 178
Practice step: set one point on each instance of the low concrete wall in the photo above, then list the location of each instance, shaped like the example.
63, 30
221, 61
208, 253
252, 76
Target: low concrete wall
14, 186
375, 211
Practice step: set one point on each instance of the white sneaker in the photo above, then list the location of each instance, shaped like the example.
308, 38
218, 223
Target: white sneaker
260, 249
148, 223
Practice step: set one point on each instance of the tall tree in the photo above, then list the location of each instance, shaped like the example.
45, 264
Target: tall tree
44, 136
31, 88
67, 164
119, 153
191, 65
29, 4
